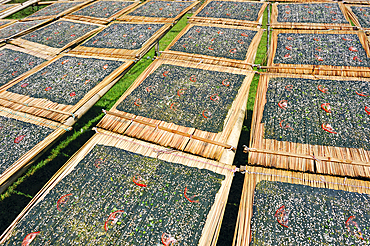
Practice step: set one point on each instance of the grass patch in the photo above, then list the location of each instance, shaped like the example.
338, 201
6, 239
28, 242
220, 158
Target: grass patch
26, 12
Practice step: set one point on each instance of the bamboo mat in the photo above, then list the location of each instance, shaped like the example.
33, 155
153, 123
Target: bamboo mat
220, 61
102, 21
355, 18
153, 153
21, 165
303, 25
44, 13
188, 139
52, 51
254, 175
226, 21
128, 17
85, 49
52, 110
15, 48
19, 30
302, 157
328, 70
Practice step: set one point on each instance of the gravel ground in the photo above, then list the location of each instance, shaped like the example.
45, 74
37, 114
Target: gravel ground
17, 28
102, 9
164, 9
363, 15
54, 9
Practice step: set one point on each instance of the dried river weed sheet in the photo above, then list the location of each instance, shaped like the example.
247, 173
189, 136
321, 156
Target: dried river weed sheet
318, 112
294, 214
115, 197
189, 97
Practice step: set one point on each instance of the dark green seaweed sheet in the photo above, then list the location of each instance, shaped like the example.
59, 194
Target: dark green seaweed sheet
18, 27
231, 10
215, 41
54, 9
123, 36
363, 15
161, 9
183, 96
5, 6
311, 13
14, 63
103, 183
320, 49
59, 33
66, 80
316, 216
103, 9
304, 115
12, 149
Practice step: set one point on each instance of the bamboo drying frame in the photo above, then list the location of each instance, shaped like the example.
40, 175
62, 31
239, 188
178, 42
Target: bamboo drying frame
328, 70
224, 21
10, 6
354, 18
10, 22
48, 109
315, 26
356, 1
21, 165
173, 135
302, 157
102, 21
24, 32
65, 12
15, 48
124, 53
214, 219
254, 175
41, 48
17, 8
221, 61
126, 17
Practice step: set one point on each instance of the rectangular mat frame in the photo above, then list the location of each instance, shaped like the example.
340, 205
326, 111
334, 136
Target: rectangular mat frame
220, 61
254, 175
127, 17
102, 21
176, 136
123, 53
315, 26
302, 157
40, 48
223, 21
347, 71
21, 165
51, 110
215, 216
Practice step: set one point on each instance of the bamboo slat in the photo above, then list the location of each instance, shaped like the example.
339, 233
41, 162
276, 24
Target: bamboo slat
206, 144
220, 61
354, 18
6, 7
46, 15
83, 49
224, 21
128, 17
254, 175
41, 48
102, 21
20, 165
49, 109
106, 138
15, 48
315, 26
302, 157
328, 70
6, 22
